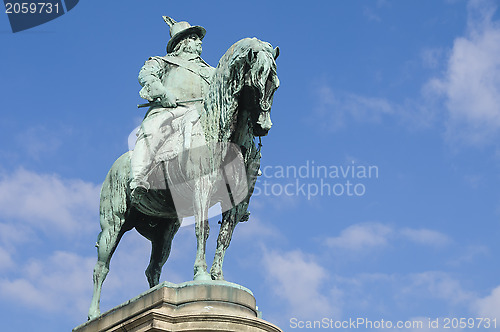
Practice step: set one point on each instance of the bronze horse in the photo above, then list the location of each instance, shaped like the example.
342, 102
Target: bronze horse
221, 167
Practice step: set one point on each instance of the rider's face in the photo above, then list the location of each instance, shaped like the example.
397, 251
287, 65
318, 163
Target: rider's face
193, 44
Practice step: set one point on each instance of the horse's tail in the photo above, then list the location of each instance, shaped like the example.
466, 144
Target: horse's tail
114, 192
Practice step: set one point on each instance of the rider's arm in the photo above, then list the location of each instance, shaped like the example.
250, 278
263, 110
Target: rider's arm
152, 86
150, 80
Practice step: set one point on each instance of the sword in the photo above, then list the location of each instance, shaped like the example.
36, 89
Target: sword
157, 103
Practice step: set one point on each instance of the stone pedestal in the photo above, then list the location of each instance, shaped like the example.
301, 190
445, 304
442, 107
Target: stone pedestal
190, 306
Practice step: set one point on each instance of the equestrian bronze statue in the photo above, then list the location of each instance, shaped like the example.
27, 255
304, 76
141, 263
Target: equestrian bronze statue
195, 148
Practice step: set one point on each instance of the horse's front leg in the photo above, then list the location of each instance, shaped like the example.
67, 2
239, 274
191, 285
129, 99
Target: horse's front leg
225, 233
230, 219
201, 205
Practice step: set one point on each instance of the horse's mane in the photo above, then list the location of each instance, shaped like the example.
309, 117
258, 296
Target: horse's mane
221, 100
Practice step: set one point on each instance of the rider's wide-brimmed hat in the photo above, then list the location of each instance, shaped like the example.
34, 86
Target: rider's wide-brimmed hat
180, 30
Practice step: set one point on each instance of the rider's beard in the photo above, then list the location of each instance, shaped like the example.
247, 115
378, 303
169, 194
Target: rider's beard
189, 48
186, 47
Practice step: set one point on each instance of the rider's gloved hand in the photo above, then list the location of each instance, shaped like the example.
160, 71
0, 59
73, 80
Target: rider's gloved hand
152, 91
168, 100
155, 91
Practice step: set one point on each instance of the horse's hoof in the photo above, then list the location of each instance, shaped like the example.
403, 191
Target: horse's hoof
93, 315
217, 276
202, 276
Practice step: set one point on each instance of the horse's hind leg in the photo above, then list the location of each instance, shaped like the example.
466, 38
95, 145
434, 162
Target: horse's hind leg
160, 250
106, 244
201, 202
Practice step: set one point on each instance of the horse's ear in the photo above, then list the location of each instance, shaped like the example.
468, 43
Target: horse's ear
276, 52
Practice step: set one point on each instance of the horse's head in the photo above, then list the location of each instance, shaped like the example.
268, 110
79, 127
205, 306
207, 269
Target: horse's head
244, 80
261, 81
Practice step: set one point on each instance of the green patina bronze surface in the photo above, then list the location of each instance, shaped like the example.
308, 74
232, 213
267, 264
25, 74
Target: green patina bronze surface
195, 148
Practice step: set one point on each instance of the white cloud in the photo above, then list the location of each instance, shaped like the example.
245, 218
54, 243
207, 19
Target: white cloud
471, 84
470, 254
48, 202
367, 236
5, 260
299, 279
425, 237
306, 286
423, 324
361, 292
39, 140
371, 15
431, 57
439, 285
63, 209
336, 109
254, 228
393, 295
12, 234
362, 236
62, 283
383, 3
469, 88
488, 306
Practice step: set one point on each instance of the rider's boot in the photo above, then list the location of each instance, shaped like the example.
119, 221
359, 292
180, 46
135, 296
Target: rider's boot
140, 163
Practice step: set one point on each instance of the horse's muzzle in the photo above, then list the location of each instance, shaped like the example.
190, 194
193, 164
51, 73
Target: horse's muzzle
264, 124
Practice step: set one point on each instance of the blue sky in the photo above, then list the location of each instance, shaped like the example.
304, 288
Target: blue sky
411, 88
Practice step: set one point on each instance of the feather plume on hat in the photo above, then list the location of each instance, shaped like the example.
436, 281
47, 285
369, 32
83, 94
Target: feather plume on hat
170, 21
